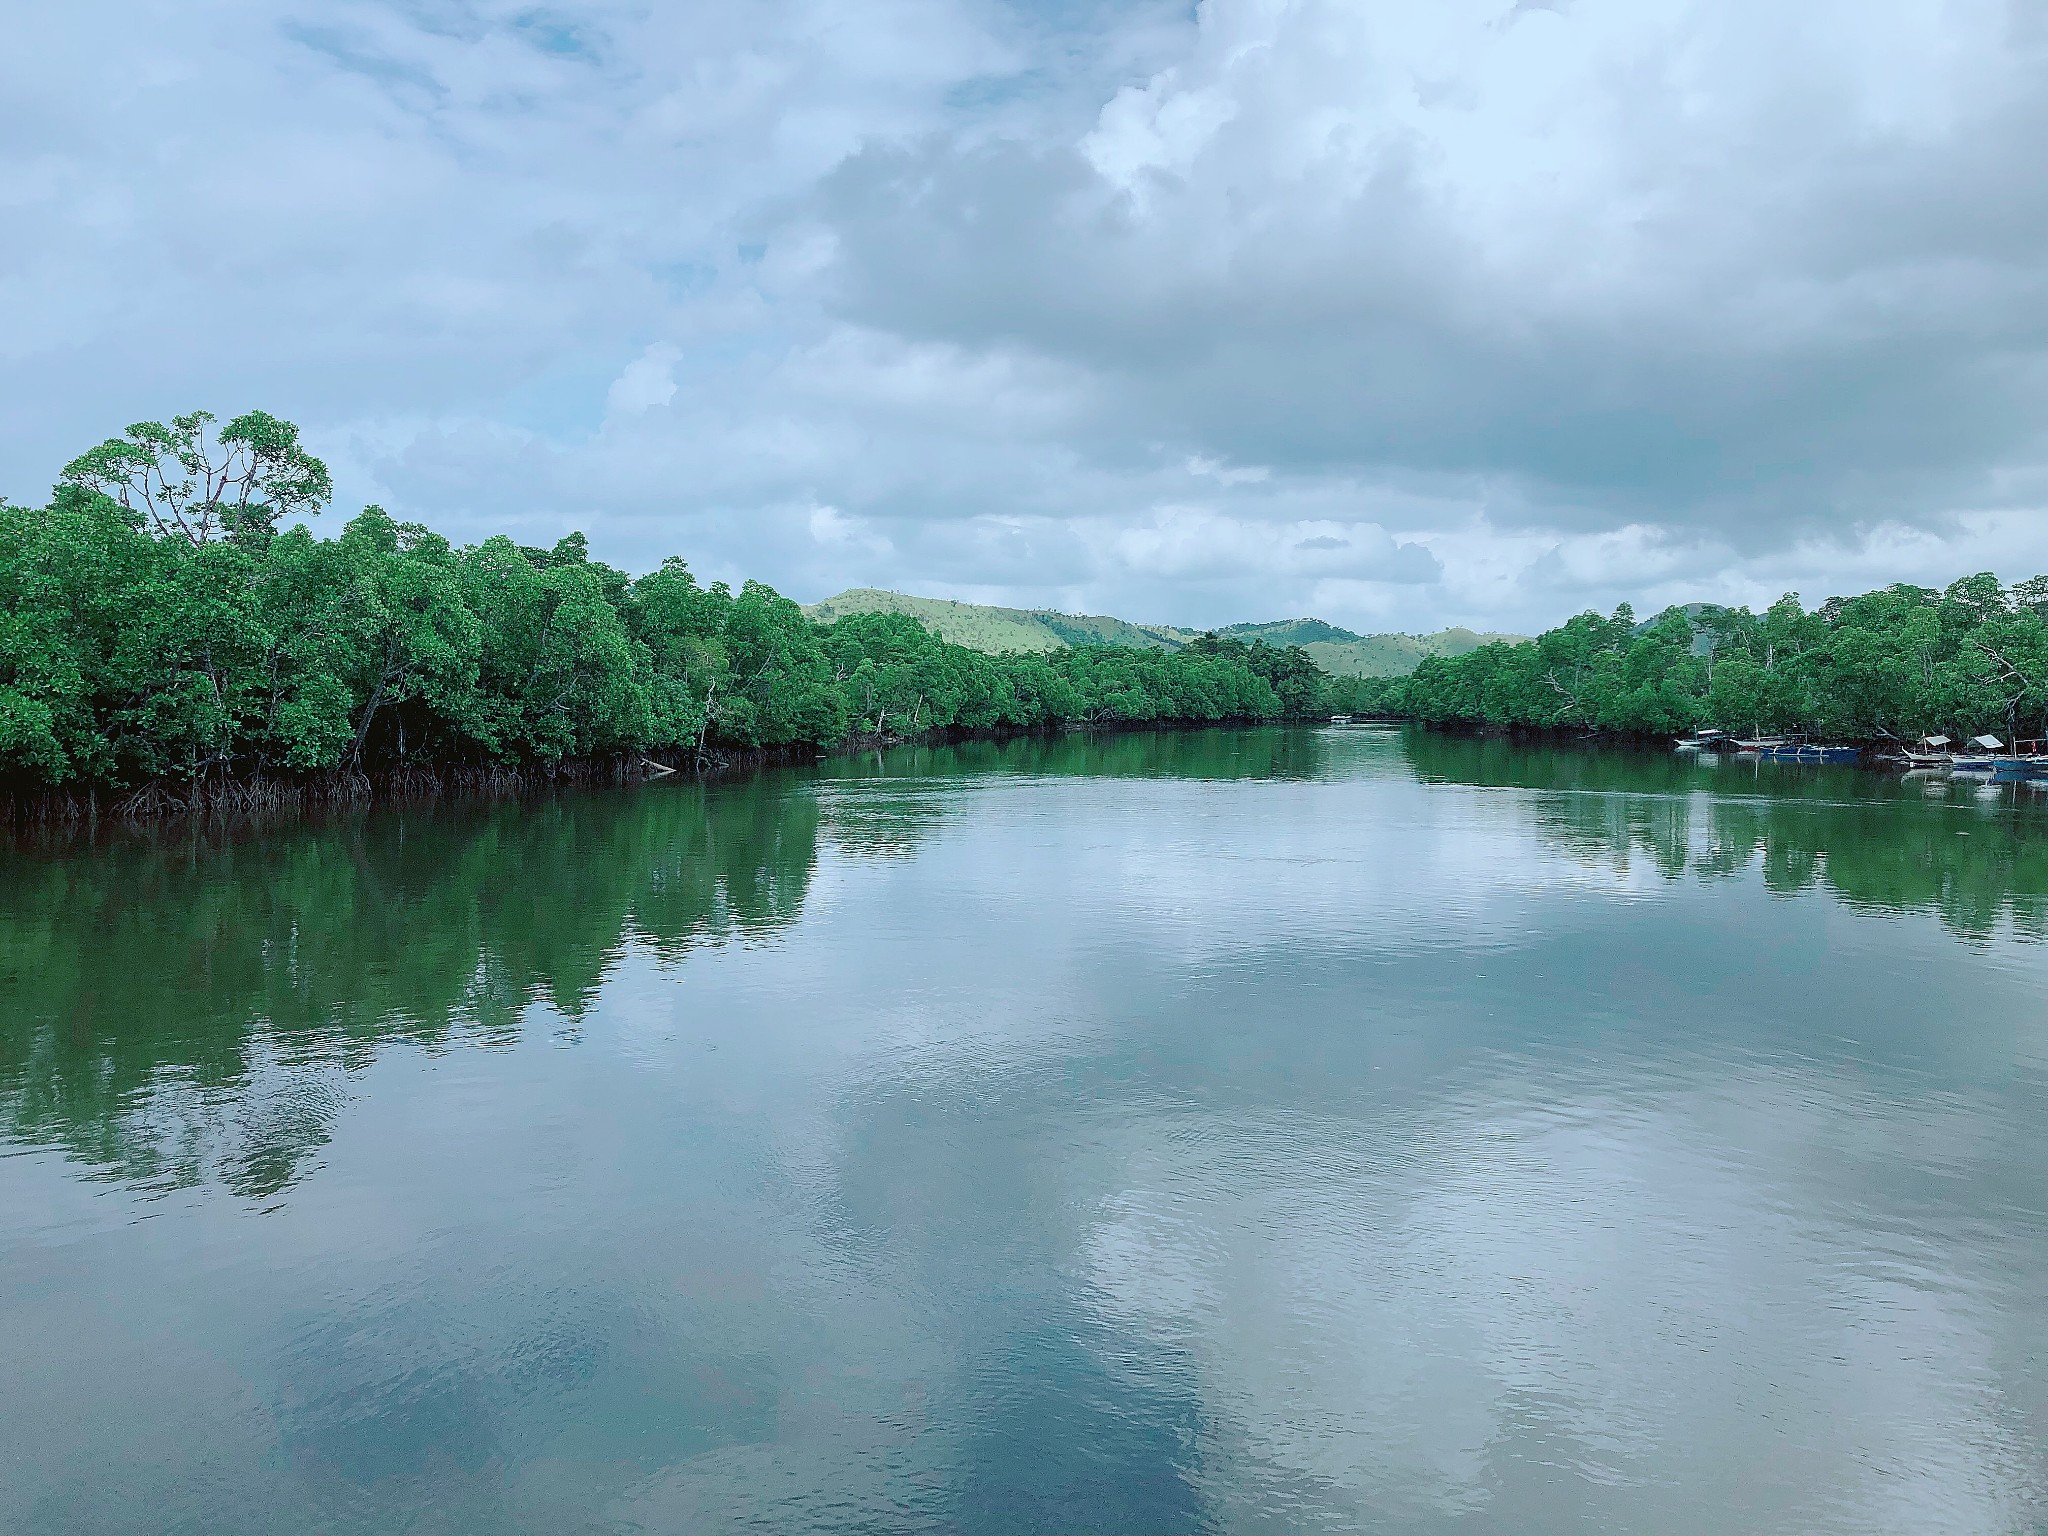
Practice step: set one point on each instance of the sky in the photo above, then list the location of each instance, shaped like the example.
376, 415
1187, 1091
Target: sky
1402, 315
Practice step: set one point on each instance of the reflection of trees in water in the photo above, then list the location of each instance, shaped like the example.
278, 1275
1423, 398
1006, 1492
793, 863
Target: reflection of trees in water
1273, 752
183, 1007
1874, 840
888, 804
179, 1008
885, 806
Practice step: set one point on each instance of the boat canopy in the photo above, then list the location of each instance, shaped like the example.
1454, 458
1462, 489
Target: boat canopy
1933, 741
1988, 743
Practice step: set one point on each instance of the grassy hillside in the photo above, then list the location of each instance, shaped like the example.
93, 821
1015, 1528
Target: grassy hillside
1393, 655
986, 628
1002, 629
1290, 632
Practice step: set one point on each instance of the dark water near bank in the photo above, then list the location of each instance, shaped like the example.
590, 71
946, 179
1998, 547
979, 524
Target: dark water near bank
1258, 1131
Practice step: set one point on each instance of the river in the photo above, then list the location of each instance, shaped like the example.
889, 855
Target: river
1248, 1131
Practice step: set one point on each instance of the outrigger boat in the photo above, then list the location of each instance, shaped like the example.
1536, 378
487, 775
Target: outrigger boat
1776, 749
1977, 755
1930, 752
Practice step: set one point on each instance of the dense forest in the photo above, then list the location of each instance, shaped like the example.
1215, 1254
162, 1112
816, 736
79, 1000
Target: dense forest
173, 629
1898, 663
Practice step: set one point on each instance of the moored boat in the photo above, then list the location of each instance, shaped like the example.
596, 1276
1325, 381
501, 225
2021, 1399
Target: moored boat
1808, 752
1981, 754
2007, 767
2025, 760
2031, 757
1930, 752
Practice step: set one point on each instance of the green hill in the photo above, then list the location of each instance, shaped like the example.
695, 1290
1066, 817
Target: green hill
986, 628
1394, 655
1345, 654
1290, 632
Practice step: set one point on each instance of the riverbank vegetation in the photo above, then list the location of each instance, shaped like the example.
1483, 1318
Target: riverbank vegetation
172, 633
1894, 664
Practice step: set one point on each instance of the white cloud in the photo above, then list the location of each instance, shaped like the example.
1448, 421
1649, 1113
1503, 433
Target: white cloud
1407, 314
647, 381
835, 530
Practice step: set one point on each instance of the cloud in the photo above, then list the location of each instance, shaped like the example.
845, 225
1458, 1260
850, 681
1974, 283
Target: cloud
1109, 305
835, 530
647, 381
1596, 254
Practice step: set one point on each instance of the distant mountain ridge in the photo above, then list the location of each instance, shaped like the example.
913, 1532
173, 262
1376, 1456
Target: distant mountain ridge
984, 627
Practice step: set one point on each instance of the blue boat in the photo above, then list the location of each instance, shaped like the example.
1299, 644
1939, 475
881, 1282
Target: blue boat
1808, 752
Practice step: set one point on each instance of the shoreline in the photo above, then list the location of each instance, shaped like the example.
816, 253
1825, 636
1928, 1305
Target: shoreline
268, 801
1581, 736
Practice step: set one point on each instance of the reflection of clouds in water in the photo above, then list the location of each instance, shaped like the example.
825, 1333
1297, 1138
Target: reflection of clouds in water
1457, 1318
1207, 869
1416, 1320
1170, 1133
1190, 873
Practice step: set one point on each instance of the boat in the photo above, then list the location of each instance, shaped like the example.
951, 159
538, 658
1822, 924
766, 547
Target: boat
1980, 754
1808, 752
1753, 745
1704, 740
1987, 755
2026, 760
2031, 755
1929, 752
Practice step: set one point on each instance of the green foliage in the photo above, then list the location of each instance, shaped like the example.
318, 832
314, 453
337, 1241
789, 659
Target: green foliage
1900, 663
240, 485
159, 625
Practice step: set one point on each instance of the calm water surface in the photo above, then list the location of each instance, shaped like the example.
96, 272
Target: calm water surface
1258, 1131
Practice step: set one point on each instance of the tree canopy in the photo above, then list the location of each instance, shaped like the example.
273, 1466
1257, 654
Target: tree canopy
1898, 663
168, 618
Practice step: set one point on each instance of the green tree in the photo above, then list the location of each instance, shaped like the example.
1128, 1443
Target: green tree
238, 484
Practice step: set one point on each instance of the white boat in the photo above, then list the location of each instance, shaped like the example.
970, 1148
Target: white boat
1930, 752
